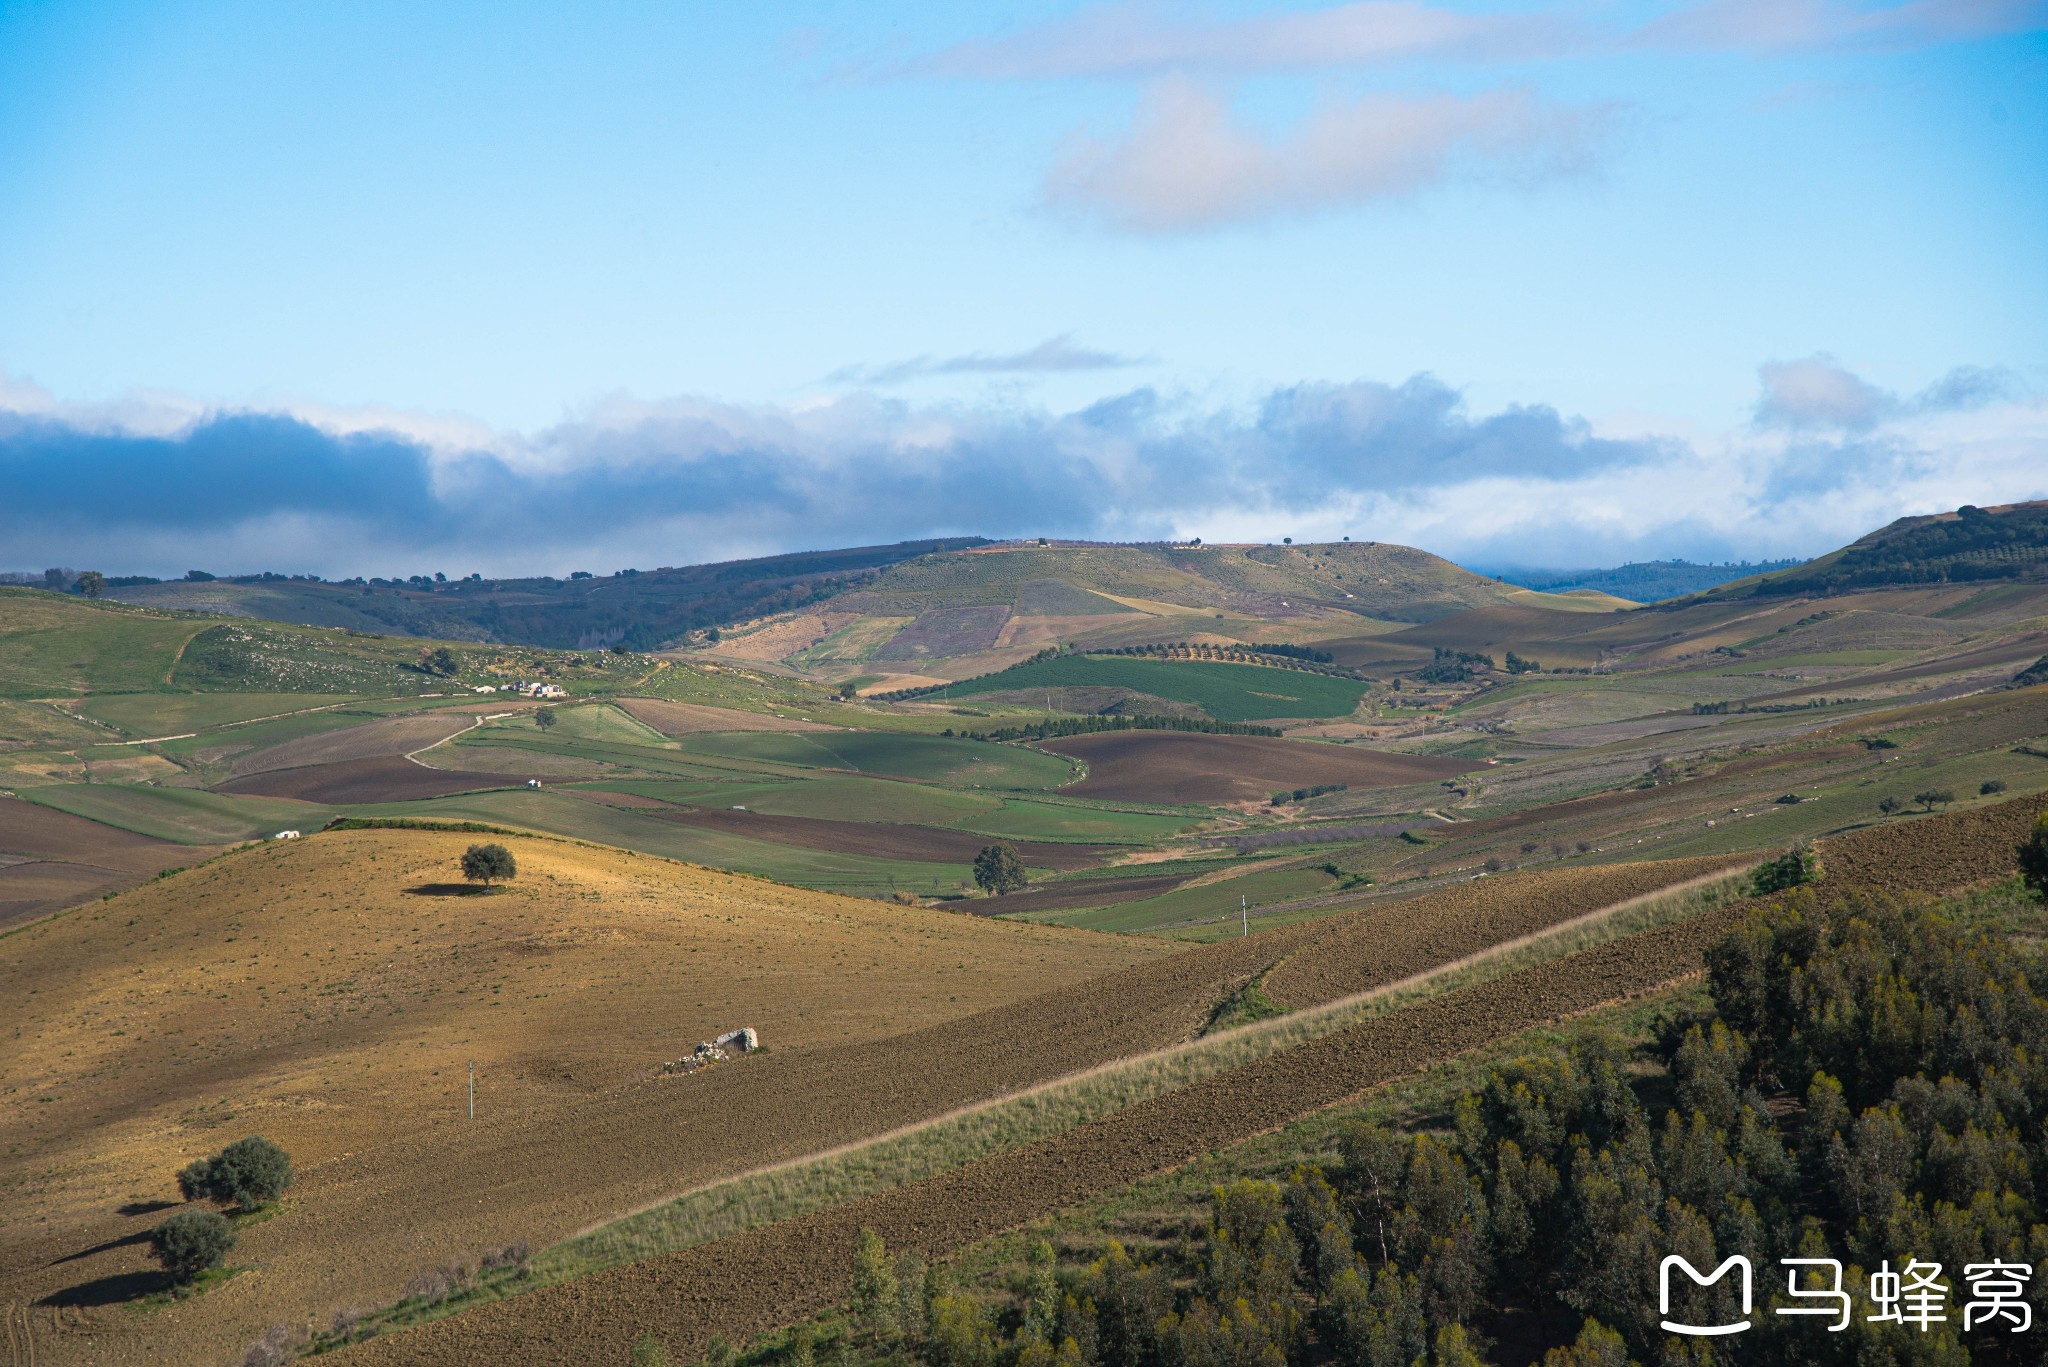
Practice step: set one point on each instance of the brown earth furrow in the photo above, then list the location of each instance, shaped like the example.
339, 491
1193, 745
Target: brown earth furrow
756, 1281
743, 1286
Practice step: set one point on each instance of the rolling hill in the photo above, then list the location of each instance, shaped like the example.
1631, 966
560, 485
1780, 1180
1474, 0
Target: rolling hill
1969, 546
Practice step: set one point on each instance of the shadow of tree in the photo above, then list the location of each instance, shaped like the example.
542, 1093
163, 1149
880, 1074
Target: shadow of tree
140, 1236
146, 1207
448, 890
112, 1290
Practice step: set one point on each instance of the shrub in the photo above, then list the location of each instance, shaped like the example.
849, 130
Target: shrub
648, 1352
2034, 857
250, 1173
280, 1344
1787, 799
191, 1242
1795, 866
1990, 786
482, 863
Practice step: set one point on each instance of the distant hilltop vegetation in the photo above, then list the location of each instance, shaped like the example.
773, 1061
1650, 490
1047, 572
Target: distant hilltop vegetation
1969, 545
1646, 581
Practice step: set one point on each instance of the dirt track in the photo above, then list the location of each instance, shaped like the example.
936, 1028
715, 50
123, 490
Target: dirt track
771, 1276
1177, 766
391, 778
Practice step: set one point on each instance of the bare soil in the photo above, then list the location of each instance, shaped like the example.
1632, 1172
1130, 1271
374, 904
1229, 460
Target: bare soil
391, 778
64, 859
371, 740
1191, 767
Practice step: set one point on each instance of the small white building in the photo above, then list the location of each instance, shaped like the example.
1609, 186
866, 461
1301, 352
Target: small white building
286, 835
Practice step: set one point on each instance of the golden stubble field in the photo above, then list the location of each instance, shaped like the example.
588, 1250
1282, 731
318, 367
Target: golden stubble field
329, 993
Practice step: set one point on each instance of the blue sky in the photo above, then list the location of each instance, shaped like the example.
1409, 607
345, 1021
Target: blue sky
797, 275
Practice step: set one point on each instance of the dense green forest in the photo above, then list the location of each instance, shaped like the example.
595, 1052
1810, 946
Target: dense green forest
1869, 1085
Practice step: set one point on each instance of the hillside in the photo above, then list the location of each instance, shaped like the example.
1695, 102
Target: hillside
640, 609
1969, 546
330, 994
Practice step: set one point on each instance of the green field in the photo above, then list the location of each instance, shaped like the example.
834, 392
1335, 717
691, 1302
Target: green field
1022, 819
1168, 911
164, 714
189, 816
559, 814
835, 797
55, 646
600, 722
1226, 692
936, 759
32, 724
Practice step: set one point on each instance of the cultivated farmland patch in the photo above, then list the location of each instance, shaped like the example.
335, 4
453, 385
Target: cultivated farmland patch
1189, 767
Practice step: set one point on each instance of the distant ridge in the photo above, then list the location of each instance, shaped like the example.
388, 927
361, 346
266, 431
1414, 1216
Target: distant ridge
1644, 581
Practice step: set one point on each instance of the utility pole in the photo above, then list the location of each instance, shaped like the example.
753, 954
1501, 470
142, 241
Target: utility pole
472, 1089
1244, 910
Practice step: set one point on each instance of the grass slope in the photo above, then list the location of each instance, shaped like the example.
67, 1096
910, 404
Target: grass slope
1226, 692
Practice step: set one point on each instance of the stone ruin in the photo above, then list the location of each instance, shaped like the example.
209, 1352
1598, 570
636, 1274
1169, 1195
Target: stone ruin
731, 1044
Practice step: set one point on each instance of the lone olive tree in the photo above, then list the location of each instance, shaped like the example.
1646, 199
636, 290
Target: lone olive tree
545, 718
92, 583
249, 1173
482, 863
191, 1242
997, 869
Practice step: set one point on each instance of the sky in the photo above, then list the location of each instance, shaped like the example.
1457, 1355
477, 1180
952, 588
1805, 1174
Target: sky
385, 288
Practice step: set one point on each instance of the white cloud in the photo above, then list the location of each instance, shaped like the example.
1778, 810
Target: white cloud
1790, 25
1816, 392
1124, 39
1187, 164
1056, 355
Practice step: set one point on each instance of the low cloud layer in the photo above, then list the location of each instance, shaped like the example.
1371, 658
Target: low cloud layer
155, 487
1188, 162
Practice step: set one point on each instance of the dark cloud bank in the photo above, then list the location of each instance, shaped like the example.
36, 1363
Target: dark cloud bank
685, 482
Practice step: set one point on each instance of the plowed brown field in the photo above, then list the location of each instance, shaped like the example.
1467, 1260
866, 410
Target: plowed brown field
1176, 766
371, 740
747, 1284
51, 859
389, 779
